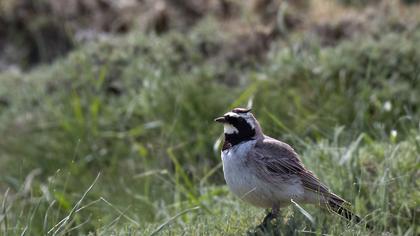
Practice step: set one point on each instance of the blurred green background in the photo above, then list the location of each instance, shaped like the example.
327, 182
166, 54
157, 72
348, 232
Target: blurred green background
107, 107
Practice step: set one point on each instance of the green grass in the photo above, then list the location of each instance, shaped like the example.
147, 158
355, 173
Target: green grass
139, 110
377, 178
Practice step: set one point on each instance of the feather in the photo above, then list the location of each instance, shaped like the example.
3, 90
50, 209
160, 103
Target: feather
277, 161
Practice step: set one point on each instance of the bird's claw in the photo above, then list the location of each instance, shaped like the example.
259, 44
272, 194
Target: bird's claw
267, 219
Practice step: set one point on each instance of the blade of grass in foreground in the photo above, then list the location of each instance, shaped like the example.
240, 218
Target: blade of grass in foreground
304, 212
158, 229
59, 226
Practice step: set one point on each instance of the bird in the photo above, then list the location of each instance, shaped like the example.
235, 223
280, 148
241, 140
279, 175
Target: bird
268, 173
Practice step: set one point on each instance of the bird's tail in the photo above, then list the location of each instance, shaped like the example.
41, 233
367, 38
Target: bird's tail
341, 207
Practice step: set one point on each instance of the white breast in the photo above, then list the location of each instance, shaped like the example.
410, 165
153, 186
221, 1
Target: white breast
240, 179
243, 182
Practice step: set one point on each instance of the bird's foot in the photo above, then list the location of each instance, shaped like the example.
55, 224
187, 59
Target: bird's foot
267, 219
266, 223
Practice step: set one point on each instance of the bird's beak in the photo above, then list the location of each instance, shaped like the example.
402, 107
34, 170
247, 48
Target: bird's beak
220, 119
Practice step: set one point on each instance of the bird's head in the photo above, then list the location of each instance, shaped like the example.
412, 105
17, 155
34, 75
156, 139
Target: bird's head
240, 123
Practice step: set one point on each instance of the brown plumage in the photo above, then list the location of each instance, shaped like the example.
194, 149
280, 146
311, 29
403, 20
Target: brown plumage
277, 161
269, 173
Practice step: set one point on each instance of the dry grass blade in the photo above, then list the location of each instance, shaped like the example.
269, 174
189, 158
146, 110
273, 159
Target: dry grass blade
4, 211
353, 147
120, 212
59, 226
158, 229
150, 172
46, 216
78, 226
304, 212
113, 222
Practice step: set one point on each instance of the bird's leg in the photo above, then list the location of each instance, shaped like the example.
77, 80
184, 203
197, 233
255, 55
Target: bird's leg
267, 219
265, 226
275, 211
273, 214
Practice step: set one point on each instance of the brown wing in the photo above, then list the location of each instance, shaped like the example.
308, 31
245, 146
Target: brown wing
277, 160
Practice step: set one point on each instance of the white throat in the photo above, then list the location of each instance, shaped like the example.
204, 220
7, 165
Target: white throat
247, 116
230, 129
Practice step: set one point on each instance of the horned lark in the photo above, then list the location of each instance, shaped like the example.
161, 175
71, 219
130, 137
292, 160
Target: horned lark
268, 173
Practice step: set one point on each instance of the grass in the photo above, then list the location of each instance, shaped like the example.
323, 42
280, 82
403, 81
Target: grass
139, 109
375, 179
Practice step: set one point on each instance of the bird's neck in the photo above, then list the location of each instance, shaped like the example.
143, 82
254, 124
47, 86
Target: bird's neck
237, 138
